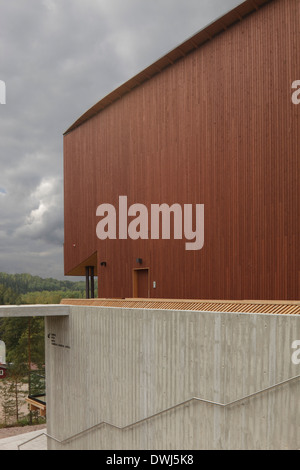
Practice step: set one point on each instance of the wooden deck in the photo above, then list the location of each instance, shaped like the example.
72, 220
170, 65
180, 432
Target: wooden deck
240, 306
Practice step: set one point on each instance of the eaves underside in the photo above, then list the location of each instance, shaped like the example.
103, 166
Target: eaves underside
205, 35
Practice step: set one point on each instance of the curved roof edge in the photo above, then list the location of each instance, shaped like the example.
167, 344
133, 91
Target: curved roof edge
234, 16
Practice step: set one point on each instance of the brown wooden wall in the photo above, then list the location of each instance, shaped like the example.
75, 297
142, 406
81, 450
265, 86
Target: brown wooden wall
216, 128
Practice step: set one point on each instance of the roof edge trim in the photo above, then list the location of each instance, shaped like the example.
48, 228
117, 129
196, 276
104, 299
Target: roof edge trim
210, 31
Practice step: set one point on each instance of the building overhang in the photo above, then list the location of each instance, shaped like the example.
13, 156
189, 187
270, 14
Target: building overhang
80, 270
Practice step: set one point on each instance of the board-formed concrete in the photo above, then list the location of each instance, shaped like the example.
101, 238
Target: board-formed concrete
122, 378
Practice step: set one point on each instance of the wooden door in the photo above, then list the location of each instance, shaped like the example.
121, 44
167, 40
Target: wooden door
141, 283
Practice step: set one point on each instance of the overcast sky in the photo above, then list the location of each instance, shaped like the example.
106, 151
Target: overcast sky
57, 59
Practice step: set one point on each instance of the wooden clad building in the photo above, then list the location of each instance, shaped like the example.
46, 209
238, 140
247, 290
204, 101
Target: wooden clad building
211, 123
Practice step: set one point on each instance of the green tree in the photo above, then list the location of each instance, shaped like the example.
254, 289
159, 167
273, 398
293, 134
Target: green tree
24, 339
12, 395
17, 390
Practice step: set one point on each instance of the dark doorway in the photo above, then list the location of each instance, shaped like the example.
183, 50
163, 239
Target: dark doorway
90, 282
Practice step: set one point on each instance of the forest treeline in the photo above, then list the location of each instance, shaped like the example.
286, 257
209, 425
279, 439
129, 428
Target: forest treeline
23, 289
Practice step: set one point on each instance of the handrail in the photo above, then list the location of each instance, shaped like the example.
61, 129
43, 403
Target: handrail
185, 402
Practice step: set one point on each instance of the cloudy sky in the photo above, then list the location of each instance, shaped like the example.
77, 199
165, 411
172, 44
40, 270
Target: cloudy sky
57, 59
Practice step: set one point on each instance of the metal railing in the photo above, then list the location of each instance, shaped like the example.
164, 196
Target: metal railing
140, 421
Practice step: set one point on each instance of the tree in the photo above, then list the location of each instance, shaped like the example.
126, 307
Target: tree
16, 381
24, 339
21, 336
7, 401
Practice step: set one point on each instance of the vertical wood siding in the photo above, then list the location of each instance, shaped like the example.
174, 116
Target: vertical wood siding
217, 128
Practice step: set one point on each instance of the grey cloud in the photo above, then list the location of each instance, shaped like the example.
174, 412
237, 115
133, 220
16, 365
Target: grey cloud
58, 58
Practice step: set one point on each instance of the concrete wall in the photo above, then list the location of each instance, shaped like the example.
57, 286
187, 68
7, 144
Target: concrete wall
120, 366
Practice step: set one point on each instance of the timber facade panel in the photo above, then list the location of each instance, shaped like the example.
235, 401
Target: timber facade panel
217, 127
